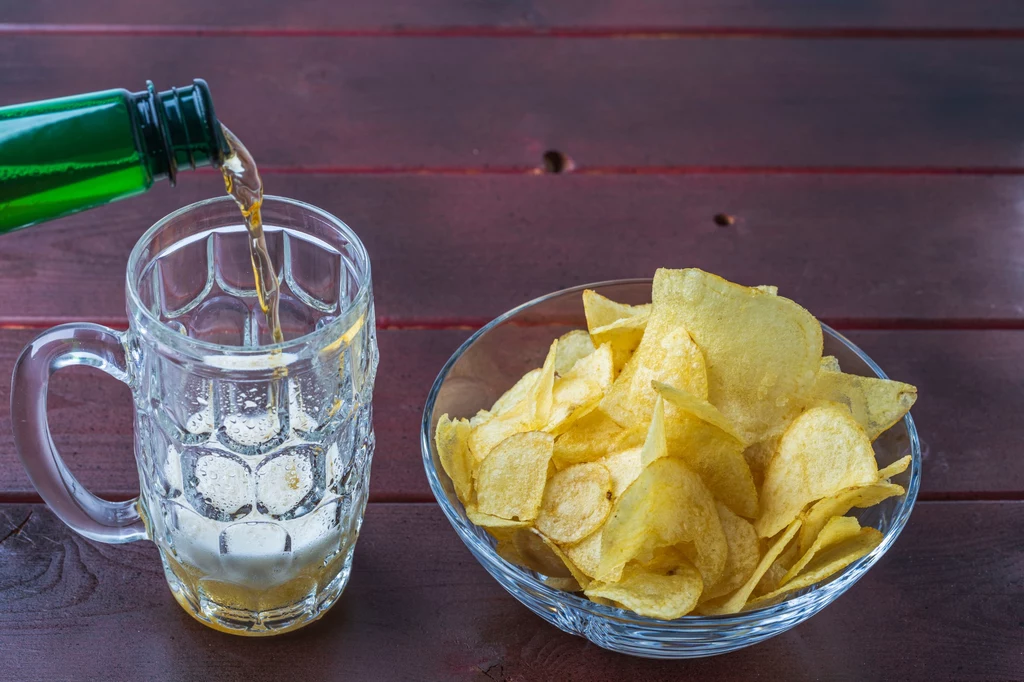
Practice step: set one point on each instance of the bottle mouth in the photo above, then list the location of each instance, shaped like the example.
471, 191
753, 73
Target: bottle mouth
204, 104
185, 127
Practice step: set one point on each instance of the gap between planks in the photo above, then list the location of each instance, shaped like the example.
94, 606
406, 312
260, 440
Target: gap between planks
472, 324
616, 32
578, 169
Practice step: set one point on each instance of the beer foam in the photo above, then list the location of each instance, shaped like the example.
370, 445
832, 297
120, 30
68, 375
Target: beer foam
257, 550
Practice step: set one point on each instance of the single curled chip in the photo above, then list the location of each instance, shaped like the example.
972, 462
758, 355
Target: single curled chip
667, 596
601, 311
762, 351
589, 438
510, 481
452, 441
576, 502
623, 336
578, 392
744, 554
572, 346
530, 413
875, 403
823, 451
516, 394
666, 505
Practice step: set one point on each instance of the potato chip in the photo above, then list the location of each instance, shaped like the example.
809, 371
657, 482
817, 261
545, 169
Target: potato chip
571, 347
744, 554
452, 441
517, 419
666, 354
510, 481
495, 525
663, 559
586, 555
735, 602
537, 553
758, 455
589, 438
542, 555
564, 584
576, 502
542, 393
502, 530
826, 564
514, 395
823, 451
624, 337
770, 580
634, 437
839, 504
704, 439
601, 311
506, 548
762, 352
837, 529
624, 467
530, 413
769, 289
655, 446
875, 403
829, 363
579, 391
697, 407
668, 596
479, 418
894, 469
666, 505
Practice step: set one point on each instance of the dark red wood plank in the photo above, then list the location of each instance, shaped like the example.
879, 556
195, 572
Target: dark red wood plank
543, 14
479, 102
876, 248
967, 414
947, 602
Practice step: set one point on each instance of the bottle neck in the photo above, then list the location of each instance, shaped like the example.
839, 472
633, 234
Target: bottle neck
178, 129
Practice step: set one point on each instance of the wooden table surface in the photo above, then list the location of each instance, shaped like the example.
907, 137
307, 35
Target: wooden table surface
870, 153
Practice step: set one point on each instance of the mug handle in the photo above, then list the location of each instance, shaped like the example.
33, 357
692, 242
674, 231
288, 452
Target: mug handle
64, 346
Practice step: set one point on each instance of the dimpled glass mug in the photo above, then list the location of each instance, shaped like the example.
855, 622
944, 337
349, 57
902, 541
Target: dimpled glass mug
253, 459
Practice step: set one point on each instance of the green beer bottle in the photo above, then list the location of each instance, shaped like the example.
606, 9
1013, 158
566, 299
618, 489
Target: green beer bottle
65, 155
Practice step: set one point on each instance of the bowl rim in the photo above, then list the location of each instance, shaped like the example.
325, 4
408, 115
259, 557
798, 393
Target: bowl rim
805, 601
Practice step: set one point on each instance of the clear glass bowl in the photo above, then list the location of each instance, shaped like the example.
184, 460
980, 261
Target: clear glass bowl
491, 360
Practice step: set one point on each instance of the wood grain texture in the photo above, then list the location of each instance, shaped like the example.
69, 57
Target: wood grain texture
967, 413
892, 250
947, 602
542, 14
478, 102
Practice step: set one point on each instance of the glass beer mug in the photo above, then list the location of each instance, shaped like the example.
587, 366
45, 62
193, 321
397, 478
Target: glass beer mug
253, 459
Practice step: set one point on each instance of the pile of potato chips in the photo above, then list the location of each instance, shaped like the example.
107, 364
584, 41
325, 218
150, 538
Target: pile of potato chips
694, 454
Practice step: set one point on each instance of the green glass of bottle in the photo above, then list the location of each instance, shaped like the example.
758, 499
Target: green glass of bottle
65, 155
